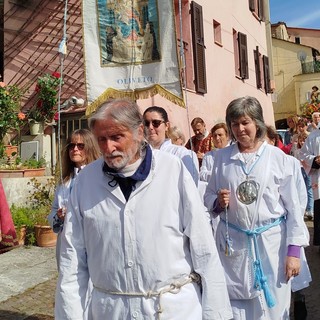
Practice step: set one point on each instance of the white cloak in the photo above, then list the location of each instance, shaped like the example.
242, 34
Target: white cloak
160, 234
309, 150
278, 196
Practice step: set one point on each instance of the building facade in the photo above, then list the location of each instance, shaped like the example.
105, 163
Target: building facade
226, 48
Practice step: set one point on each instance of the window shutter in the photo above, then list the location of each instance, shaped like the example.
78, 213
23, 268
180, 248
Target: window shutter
198, 48
243, 53
261, 12
257, 67
252, 5
266, 74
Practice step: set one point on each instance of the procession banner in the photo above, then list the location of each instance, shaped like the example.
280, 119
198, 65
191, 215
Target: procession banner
130, 50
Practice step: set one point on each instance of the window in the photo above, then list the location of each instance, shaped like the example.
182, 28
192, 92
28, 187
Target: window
243, 56
198, 48
266, 74
257, 63
256, 6
262, 71
217, 33
297, 40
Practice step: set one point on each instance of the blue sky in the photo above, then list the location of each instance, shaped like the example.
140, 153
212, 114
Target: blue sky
296, 13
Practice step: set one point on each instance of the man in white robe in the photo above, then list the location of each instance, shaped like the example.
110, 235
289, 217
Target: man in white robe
137, 228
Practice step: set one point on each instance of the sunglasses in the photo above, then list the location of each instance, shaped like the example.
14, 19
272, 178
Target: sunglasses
155, 123
80, 146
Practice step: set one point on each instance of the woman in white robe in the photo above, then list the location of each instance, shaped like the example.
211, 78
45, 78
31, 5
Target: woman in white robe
156, 126
261, 229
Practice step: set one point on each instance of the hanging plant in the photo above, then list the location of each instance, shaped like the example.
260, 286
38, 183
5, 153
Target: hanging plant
45, 107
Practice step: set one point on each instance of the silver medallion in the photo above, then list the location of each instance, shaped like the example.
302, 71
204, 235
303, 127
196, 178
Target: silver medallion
247, 191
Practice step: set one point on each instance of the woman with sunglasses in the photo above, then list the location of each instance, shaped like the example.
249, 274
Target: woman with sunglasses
80, 150
156, 127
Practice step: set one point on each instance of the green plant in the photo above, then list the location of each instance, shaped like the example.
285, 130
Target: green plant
10, 116
21, 216
44, 108
17, 164
41, 195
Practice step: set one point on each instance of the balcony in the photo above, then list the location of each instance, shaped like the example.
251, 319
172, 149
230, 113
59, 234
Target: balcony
310, 67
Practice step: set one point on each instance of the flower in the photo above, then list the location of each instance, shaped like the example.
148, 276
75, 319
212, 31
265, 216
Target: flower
46, 90
10, 115
308, 109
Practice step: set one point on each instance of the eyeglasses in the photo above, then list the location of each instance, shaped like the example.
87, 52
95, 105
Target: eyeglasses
80, 146
155, 123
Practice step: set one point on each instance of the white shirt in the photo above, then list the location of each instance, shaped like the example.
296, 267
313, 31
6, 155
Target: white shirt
160, 234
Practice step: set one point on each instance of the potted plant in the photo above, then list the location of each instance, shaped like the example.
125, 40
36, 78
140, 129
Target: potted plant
44, 108
40, 199
10, 116
21, 217
19, 169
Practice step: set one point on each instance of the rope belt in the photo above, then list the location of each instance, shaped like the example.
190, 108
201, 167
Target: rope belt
174, 288
260, 278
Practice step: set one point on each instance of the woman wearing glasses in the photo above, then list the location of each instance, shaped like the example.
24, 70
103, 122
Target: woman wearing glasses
156, 126
81, 149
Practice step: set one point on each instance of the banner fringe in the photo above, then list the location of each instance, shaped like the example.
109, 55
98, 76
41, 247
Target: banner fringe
111, 93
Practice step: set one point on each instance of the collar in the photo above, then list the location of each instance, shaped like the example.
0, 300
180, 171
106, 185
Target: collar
142, 171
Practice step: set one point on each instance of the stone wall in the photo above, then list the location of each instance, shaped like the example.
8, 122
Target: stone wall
17, 189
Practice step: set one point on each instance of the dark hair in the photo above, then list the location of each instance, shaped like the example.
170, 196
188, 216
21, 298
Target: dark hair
197, 120
315, 87
272, 134
219, 126
91, 149
246, 106
160, 110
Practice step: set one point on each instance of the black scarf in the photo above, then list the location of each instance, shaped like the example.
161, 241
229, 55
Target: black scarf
127, 184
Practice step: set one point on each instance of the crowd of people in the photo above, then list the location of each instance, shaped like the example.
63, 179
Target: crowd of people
152, 226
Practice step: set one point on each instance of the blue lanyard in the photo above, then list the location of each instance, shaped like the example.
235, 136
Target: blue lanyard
251, 168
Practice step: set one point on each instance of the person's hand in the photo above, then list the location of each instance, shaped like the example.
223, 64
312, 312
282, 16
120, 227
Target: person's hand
224, 197
292, 267
61, 213
200, 155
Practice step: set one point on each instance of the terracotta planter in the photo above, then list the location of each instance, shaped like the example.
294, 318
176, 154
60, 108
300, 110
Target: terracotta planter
9, 150
45, 237
38, 172
11, 173
21, 234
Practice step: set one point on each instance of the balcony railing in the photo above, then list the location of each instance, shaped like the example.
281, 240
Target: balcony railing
310, 67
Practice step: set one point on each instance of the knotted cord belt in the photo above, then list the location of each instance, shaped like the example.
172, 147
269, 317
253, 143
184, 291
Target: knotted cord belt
260, 277
174, 288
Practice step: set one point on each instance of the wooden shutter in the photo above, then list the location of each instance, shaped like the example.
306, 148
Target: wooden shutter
198, 48
243, 55
257, 67
260, 10
266, 74
252, 5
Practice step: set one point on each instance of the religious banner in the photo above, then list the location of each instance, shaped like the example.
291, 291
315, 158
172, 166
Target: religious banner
130, 50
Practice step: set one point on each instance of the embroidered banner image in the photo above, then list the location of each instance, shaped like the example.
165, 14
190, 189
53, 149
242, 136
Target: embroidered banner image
130, 50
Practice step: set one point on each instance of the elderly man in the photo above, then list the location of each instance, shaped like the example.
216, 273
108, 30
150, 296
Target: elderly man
137, 228
201, 142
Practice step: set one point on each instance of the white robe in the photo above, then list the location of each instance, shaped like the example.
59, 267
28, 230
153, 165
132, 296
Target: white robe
278, 197
309, 150
161, 233
188, 157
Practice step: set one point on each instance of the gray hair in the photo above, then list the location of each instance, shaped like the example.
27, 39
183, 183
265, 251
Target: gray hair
124, 112
246, 106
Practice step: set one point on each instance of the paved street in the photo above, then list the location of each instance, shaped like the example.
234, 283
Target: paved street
28, 278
